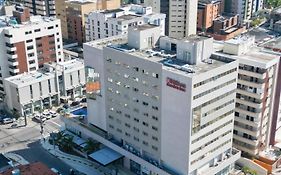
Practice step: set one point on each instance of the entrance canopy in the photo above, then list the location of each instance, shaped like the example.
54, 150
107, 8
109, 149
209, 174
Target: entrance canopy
105, 156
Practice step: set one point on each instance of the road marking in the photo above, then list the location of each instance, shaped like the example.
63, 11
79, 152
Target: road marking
55, 123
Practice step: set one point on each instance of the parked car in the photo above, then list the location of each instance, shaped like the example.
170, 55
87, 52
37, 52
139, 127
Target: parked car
66, 106
55, 171
7, 120
84, 100
14, 125
75, 103
48, 116
53, 114
37, 118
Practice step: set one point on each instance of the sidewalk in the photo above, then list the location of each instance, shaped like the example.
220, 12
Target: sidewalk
17, 159
81, 164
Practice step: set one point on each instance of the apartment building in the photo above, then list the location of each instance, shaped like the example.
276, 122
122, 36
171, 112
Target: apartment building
36, 90
182, 18
148, 92
256, 93
106, 23
41, 7
207, 12
60, 8
72, 15
161, 6
245, 8
27, 42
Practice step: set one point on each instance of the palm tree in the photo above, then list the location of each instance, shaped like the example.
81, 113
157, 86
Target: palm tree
91, 146
66, 143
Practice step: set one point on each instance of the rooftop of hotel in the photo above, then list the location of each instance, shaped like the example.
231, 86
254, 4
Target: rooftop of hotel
167, 58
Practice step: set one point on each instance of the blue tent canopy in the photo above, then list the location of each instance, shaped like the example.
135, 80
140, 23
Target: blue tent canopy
105, 156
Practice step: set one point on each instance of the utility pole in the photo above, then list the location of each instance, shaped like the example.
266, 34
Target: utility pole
25, 120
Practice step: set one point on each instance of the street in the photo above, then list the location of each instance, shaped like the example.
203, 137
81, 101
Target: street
25, 141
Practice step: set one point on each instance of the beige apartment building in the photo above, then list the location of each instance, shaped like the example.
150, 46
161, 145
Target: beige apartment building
256, 91
72, 15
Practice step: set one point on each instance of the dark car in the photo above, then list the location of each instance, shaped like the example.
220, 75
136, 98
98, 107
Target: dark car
75, 103
84, 100
66, 106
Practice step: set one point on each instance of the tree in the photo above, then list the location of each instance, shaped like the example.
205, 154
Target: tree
273, 3
247, 171
66, 143
91, 146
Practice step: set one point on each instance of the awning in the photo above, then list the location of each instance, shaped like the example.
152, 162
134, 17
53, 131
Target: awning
78, 140
105, 156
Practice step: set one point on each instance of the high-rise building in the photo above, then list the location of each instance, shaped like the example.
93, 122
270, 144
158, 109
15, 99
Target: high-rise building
72, 16
245, 8
60, 8
256, 93
106, 23
164, 104
27, 42
41, 7
182, 18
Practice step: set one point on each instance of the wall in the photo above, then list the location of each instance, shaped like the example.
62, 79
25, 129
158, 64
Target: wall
176, 141
244, 162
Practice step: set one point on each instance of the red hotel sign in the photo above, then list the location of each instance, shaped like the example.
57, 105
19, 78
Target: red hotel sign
175, 84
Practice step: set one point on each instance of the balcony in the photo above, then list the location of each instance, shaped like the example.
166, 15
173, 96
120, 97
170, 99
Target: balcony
228, 159
13, 62
254, 133
245, 140
249, 103
12, 56
13, 70
250, 94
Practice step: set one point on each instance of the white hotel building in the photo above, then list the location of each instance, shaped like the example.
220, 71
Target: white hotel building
106, 23
30, 92
167, 105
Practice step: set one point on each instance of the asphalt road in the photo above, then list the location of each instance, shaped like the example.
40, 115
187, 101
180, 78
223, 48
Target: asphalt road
25, 141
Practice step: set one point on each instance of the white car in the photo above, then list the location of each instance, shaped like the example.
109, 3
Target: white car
55, 171
7, 120
37, 117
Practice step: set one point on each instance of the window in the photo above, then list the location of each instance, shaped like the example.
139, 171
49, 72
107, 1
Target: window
154, 75
51, 27
40, 88
29, 41
154, 138
28, 32
30, 54
37, 30
145, 143
136, 139
154, 128
136, 129
154, 147
127, 125
49, 85
8, 36
137, 120
29, 47
31, 92
145, 124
